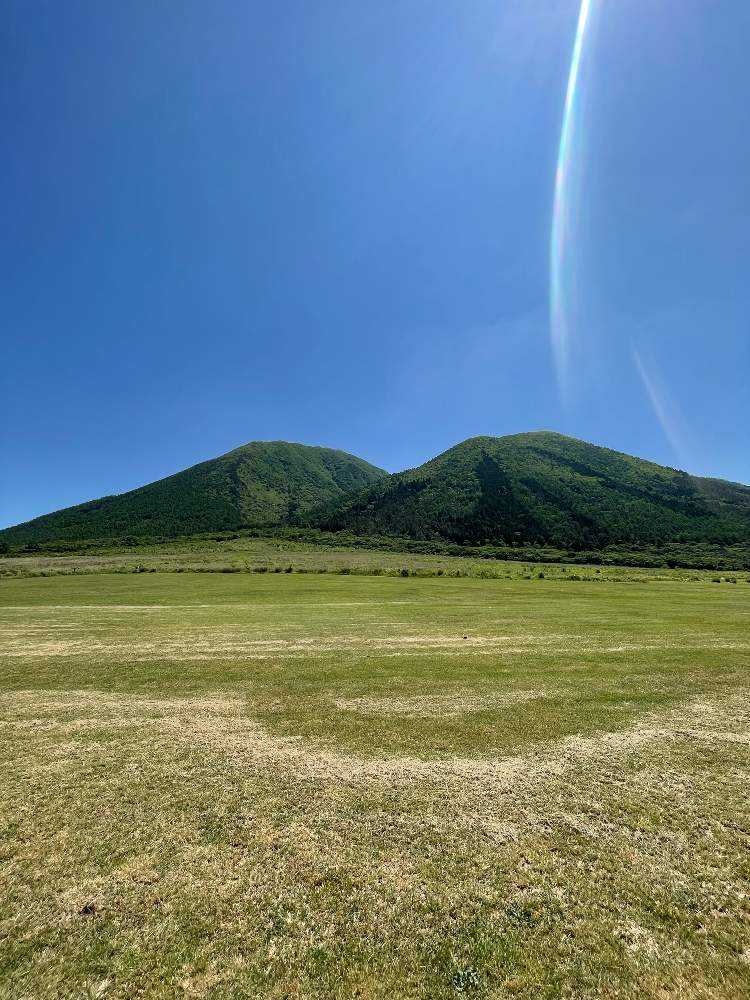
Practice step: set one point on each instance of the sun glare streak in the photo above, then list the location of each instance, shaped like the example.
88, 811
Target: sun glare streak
666, 411
564, 206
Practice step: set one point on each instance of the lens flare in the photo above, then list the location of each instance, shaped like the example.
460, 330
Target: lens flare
565, 202
666, 409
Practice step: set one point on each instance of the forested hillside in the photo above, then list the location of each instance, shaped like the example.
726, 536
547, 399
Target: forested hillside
544, 488
527, 489
265, 483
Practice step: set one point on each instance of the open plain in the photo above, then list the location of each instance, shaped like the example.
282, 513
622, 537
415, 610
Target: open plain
334, 786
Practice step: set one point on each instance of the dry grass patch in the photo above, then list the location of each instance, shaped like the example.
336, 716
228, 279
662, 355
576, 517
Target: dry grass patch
500, 819
435, 706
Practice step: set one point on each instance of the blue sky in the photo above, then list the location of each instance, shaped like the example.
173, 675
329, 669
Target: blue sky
330, 222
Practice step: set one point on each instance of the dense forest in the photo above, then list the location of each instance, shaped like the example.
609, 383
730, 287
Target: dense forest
261, 483
545, 489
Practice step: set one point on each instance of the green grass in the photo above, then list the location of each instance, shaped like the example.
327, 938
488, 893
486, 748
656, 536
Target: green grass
333, 786
239, 552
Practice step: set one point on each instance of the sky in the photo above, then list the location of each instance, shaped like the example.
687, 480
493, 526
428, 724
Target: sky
332, 223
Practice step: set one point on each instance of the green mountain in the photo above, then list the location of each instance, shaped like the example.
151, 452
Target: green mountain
532, 489
544, 488
264, 483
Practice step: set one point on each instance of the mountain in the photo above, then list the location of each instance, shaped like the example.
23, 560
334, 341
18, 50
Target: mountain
537, 488
541, 488
264, 483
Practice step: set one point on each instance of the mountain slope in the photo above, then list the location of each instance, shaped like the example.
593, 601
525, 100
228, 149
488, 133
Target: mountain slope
261, 483
543, 487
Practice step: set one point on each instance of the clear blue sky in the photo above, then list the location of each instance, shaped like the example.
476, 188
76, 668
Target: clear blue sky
329, 222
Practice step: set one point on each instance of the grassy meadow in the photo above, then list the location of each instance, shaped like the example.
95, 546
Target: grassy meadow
243, 552
347, 784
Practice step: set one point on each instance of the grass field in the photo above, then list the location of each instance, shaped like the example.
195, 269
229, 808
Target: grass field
243, 553
334, 786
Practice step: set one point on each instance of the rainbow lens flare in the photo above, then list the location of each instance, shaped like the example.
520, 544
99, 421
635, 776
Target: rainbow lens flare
562, 277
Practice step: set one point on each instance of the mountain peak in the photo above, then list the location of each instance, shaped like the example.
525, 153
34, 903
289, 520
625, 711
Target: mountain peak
536, 487
543, 487
259, 483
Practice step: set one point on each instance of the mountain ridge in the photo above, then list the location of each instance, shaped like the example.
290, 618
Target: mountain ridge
534, 487
542, 487
258, 483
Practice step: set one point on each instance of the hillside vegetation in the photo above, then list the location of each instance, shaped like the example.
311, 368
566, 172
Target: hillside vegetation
287, 553
540, 495
263, 483
544, 488
224, 787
